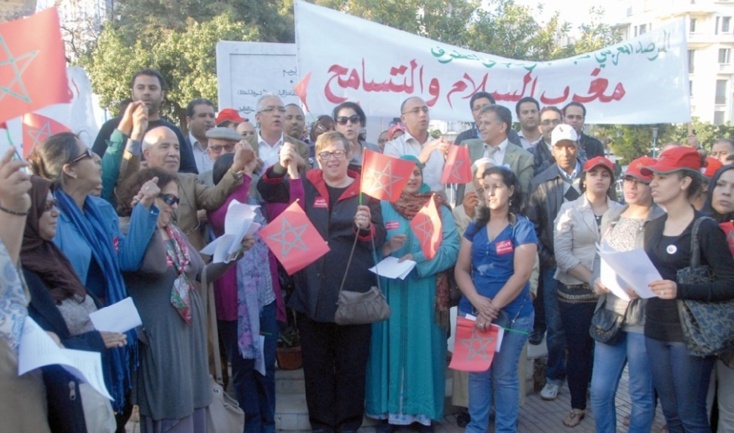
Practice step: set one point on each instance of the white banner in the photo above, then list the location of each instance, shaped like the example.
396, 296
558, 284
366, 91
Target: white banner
644, 80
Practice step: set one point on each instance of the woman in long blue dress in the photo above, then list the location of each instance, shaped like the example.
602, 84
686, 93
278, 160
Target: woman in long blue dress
406, 373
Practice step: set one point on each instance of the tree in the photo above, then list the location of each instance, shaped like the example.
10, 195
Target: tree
630, 142
706, 133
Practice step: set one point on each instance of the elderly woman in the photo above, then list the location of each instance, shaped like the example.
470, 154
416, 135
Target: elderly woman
172, 341
350, 120
493, 271
720, 206
89, 236
61, 304
334, 356
406, 374
575, 237
681, 379
23, 398
623, 230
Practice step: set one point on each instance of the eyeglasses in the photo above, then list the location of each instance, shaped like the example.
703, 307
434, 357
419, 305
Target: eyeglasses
548, 122
271, 108
417, 110
87, 153
338, 154
218, 148
355, 119
169, 199
50, 204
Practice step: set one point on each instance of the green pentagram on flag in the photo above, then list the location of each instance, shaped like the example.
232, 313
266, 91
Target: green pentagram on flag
477, 346
295, 241
455, 174
18, 66
40, 135
424, 227
377, 176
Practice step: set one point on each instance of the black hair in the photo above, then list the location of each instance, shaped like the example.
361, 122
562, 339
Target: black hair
479, 95
550, 108
221, 165
150, 73
611, 192
132, 185
517, 201
524, 100
708, 207
503, 114
574, 104
354, 106
198, 101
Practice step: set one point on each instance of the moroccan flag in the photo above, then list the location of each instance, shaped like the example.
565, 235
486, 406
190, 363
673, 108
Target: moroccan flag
301, 90
473, 349
426, 225
37, 129
293, 239
32, 65
457, 168
728, 228
383, 176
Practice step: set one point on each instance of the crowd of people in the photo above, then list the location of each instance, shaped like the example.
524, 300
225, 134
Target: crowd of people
83, 228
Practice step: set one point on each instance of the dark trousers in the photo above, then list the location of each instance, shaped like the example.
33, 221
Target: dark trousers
334, 367
576, 320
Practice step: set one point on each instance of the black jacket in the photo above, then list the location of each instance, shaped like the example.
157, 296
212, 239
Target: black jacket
591, 146
544, 202
317, 285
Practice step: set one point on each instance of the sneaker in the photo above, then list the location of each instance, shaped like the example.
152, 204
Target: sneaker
550, 391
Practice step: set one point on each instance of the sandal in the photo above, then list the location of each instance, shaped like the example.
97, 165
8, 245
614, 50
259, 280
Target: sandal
574, 417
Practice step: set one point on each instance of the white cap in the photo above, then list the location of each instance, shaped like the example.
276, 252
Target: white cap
563, 132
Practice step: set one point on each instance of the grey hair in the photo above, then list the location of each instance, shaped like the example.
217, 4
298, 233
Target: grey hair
263, 98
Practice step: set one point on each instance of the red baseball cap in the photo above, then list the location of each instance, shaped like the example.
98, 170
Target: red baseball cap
635, 167
229, 114
597, 161
674, 159
712, 166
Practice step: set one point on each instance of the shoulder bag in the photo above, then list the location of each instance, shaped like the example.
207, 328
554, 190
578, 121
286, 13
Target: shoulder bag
606, 324
360, 308
708, 327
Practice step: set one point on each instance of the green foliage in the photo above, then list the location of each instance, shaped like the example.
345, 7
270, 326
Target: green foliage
631, 141
706, 133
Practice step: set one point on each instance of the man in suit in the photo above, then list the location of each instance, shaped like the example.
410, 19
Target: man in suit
478, 101
574, 114
495, 122
200, 119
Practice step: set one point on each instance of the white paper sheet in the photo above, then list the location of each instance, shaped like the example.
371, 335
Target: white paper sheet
634, 267
37, 350
119, 317
260, 361
389, 267
612, 281
237, 224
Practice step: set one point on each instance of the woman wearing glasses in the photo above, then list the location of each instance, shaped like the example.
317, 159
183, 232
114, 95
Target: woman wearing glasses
88, 234
334, 356
171, 386
350, 120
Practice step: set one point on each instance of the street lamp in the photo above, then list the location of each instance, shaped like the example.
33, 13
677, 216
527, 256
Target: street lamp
655, 142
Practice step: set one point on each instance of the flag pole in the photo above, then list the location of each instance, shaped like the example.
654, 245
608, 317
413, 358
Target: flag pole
10, 140
361, 175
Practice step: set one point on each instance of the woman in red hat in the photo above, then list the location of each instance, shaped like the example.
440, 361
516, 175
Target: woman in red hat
681, 379
575, 237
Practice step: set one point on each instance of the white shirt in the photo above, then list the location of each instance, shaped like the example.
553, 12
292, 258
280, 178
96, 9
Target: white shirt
201, 156
498, 158
527, 144
406, 144
269, 154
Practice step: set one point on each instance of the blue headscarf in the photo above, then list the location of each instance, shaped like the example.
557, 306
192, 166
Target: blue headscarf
424, 187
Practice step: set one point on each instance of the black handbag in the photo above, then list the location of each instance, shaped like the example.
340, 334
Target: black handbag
606, 324
708, 327
360, 308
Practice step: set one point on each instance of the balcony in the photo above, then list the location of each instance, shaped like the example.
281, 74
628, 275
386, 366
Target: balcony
726, 68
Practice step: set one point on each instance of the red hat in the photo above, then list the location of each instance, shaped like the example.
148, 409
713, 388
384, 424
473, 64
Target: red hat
229, 114
674, 159
712, 165
393, 129
597, 161
635, 168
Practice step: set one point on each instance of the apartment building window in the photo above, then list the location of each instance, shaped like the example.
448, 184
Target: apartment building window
724, 55
691, 62
718, 117
725, 24
690, 88
692, 25
643, 29
720, 92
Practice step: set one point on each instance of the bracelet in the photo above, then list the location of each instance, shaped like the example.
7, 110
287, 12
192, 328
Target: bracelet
13, 212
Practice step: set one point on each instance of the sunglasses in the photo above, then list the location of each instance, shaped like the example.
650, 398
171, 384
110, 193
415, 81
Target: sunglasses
218, 148
87, 153
50, 204
342, 120
169, 199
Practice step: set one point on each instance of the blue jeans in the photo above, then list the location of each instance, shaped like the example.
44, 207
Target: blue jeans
555, 371
609, 362
255, 392
500, 378
682, 382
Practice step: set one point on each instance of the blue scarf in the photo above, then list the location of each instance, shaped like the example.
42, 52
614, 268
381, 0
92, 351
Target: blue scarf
91, 224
